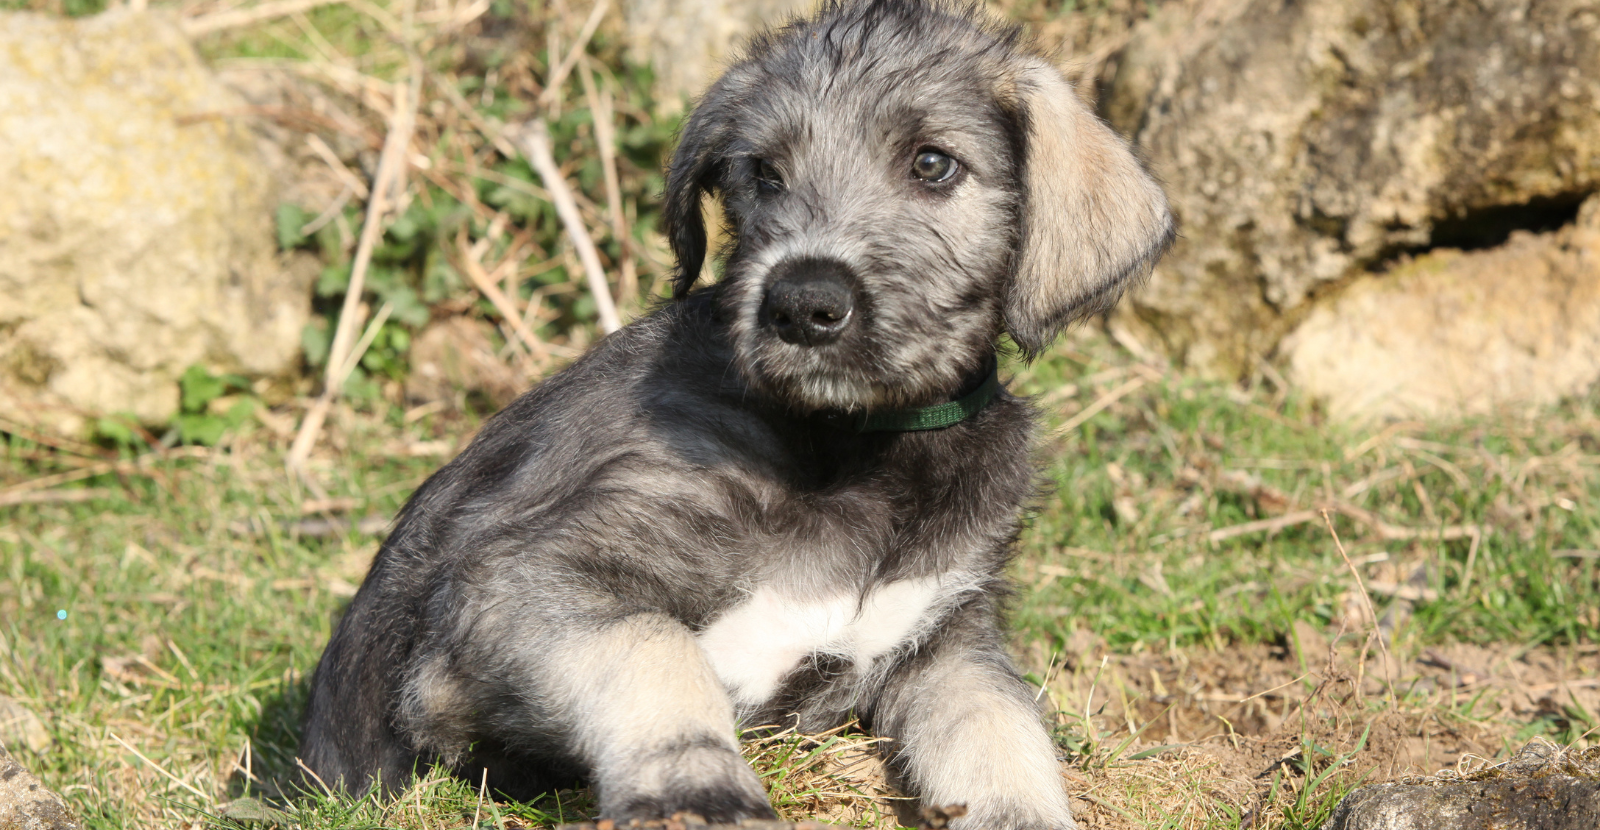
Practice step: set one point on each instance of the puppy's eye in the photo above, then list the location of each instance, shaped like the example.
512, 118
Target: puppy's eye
768, 179
934, 166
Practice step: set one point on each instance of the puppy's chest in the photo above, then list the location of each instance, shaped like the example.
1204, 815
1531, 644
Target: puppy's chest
754, 645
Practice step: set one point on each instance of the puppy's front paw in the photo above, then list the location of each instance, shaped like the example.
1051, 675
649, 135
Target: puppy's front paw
1011, 817
711, 782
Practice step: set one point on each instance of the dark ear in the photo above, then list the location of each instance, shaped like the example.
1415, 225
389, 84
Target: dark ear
692, 174
1093, 221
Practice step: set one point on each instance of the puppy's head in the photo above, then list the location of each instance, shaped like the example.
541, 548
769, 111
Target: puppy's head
902, 180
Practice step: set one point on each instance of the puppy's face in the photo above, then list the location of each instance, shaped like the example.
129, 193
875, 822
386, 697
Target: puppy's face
877, 172
872, 225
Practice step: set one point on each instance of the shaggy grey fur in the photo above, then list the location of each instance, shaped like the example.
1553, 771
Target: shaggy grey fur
682, 531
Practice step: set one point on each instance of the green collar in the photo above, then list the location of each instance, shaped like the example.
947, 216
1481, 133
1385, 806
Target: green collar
937, 416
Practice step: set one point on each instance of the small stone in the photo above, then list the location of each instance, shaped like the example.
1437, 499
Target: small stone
687, 819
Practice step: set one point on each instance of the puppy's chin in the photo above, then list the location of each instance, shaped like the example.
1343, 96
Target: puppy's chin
807, 380
813, 394
833, 379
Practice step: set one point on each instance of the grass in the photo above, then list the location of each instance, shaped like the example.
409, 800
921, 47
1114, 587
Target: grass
1141, 492
197, 600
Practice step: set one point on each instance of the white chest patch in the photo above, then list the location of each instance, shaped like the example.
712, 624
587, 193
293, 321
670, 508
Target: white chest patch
756, 643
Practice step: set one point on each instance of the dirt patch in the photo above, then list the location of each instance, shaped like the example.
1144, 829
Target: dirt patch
1258, 734
1237, 732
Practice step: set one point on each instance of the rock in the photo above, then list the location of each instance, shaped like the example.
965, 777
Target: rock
136, 232
1305, 144
1556, 802
25, 804
1453, 332
689, 42
21, 728
455, 357
1542, 788
693, 822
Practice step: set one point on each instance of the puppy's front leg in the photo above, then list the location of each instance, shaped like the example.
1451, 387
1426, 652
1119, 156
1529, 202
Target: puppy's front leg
655, 724
966, 731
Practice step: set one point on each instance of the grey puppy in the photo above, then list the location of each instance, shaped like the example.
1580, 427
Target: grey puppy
785, 498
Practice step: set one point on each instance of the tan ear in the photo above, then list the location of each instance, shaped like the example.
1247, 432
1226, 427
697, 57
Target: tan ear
1093, 221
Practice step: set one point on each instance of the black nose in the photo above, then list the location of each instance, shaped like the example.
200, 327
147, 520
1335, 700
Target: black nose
809, 302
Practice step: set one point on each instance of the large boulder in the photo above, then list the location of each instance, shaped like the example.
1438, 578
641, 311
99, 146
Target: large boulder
689, 42
1307, 145
135, 223
1460, 332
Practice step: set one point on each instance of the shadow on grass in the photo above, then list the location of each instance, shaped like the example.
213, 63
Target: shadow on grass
275, 778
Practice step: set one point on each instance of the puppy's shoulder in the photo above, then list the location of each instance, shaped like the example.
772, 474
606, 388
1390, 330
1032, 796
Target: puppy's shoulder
633, 394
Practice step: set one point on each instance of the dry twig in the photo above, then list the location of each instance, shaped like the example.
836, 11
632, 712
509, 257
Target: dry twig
136, 466
1270, 525
389, 177
53, 496
158, 768
1095, 408
552, 87
485, 283
605, 136
234, 18
1383, 645
534, 141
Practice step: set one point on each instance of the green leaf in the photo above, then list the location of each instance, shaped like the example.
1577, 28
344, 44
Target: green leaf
407, 306
1152, 752
406, 226
439, 280
199, 388
118, 429
333, 280
239, 412
316, 338
290, 220
252, 810
201, 429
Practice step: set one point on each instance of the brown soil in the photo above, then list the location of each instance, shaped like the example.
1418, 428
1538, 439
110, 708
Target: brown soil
1237, 718
1212, 731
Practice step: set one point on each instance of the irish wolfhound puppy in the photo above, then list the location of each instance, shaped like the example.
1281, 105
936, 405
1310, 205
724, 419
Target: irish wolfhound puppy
787, 497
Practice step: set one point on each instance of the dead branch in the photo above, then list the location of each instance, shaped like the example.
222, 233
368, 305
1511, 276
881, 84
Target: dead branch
601, 104
534, 141
552, 87
233, 18
341, 356
485, 283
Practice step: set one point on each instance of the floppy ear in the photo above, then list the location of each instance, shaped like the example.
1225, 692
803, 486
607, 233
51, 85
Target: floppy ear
1093, 221
692, 174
